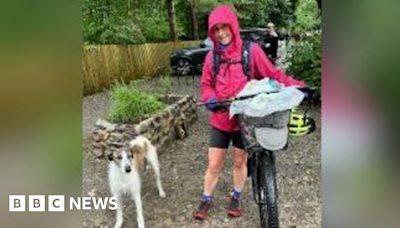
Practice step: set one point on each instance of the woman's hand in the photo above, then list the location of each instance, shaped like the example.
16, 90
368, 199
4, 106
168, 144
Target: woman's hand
213, 105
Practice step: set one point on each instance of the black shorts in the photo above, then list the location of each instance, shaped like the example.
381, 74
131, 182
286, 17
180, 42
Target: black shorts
221, 139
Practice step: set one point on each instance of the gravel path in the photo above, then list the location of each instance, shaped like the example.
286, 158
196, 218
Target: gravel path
182, 170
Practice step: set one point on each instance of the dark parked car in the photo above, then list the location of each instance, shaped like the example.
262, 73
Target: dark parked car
190, 60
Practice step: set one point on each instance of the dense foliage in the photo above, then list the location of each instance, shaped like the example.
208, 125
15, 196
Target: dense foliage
141, 21
305, 52
124, 22
130, 104
307, 16
305, 60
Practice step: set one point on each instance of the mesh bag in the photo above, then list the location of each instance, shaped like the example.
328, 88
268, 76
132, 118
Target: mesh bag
269, 132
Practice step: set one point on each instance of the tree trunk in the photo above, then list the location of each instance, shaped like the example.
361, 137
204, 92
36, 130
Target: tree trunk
171, 19
319, 5
195, 24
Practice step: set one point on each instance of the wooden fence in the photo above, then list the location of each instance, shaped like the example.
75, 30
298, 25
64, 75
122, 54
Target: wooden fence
105, 64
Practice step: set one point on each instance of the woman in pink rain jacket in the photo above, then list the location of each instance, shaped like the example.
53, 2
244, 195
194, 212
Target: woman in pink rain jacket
223, 29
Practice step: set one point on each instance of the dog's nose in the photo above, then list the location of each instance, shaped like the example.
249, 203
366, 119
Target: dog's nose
128, 169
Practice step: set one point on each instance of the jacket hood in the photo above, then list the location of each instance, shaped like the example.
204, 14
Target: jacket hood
224, 14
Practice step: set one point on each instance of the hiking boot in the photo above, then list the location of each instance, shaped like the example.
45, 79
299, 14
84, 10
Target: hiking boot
233, 209
201, 212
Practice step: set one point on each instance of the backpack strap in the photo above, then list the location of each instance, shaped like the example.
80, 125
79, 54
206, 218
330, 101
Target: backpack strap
215, 67
246, 58
245, 62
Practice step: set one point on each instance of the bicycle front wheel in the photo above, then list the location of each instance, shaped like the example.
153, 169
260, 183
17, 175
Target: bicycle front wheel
267, 190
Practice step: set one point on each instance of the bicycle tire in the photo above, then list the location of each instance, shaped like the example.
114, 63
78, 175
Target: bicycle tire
267, 189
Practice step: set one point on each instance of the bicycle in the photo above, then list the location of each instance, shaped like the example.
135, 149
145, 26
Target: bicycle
262, 161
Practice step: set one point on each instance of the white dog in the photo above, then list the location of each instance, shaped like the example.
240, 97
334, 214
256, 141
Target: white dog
124, 170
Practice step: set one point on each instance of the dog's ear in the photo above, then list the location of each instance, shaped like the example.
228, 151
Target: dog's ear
134, 149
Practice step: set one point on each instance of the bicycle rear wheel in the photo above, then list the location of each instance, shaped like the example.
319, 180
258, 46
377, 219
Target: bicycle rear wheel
267, 190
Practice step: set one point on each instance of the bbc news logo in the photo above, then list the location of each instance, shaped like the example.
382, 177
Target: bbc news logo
56, 203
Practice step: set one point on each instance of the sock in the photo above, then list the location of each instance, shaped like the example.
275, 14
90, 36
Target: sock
236, 193
206, 198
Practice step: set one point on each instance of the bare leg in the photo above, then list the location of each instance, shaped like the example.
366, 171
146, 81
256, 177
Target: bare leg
215, 165
239, 168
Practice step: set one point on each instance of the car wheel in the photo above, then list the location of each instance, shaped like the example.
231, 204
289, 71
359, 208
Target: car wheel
184, 67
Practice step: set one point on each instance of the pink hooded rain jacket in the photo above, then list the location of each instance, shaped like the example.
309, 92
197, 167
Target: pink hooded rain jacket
231, 78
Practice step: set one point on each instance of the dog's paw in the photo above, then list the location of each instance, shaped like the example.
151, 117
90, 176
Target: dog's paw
162, 194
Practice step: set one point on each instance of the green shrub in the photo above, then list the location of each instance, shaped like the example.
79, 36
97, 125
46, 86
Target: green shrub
305, 61
130, 104
155, 28
307, 16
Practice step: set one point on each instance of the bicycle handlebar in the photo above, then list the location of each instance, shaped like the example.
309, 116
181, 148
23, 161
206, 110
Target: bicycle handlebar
308, 92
